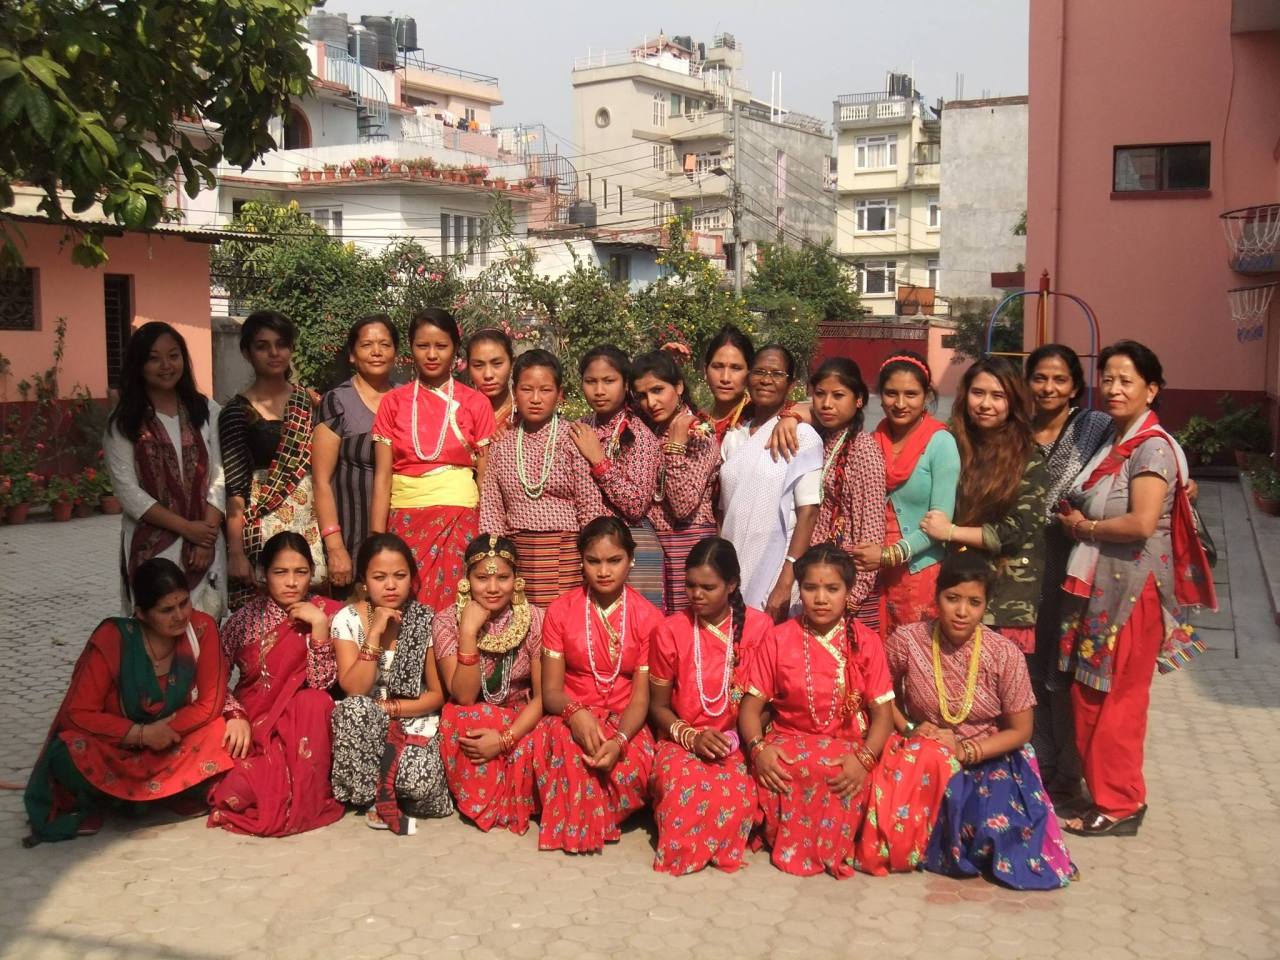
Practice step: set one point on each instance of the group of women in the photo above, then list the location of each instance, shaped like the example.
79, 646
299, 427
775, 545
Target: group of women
773, 627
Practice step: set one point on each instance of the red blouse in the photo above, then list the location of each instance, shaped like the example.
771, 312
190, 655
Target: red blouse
671, 660
853, 502
570, 500
687, 484
564, 637
460, 429
630, 478
797, 675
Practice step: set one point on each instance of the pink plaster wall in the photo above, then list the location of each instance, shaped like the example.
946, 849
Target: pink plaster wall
170, 283
1105, 74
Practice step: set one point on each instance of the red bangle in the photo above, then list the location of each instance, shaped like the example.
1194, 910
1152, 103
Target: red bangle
468, 659
866, 757
570, 708
328, 530
235, 715
601, 468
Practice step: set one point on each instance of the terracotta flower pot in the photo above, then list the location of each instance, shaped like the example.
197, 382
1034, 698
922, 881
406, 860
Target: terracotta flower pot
304, 175
110, 504
1271, 507
81, 509
17, 512
61, 510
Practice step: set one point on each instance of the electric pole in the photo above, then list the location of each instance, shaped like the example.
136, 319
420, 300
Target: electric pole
737, 206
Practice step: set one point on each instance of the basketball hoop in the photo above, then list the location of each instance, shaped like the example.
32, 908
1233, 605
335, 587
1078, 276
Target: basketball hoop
1249, 306
1253, 236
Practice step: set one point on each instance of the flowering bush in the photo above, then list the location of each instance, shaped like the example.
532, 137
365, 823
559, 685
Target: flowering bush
61, 488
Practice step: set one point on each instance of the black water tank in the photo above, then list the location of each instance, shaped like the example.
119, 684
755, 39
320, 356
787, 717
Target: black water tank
366, 50
385, 30
582, 213
407, 33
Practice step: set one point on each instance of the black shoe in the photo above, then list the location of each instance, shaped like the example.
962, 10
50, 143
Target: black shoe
1095, 824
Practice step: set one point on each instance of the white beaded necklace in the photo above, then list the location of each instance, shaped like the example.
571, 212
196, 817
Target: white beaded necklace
605, 683
444, 423
534, 491
722, 698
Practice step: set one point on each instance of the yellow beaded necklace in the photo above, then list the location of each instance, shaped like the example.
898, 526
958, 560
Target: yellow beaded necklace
970, 683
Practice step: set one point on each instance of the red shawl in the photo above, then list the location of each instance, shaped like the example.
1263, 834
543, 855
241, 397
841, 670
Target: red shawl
1192, 575
898, 469
159, 475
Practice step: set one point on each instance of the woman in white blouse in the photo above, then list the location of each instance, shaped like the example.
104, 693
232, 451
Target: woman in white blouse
166, 467
769, 507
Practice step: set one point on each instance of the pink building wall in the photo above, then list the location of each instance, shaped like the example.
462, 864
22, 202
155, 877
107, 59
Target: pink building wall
1106, 74
170, 283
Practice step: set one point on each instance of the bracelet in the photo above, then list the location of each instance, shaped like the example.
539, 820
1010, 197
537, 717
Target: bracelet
570, 708
328, 530
506, 741
688, 736
468, 659
1076, 526
678, 449
790, 559
675, 731
367, 654
1093, 531
754, 746
865, 757
789, 414
235, 715
951, 533
622, 740
601, 468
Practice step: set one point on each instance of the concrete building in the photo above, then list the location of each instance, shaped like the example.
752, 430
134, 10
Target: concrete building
1149, 121
400, 149
627, 254
656, 124
983, 194
888, 202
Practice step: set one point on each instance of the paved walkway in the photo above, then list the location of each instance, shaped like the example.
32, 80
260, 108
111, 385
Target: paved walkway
1200, 881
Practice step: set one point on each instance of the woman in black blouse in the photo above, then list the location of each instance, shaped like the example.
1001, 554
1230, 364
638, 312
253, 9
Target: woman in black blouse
342, 450
266, 450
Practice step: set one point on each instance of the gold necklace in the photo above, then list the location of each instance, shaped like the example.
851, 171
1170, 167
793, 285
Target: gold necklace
970, 683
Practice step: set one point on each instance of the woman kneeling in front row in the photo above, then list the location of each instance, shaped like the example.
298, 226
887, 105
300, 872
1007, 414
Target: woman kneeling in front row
966, 696
142, 718
489, 648
823, 675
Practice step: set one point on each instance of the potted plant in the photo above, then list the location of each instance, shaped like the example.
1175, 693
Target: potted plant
1243, 430
108, 502
18, 480
361, 166
1200, 440
475, 172
1266, 488
500, 183
60, 493
331, 171
346, 172
304, 174
380, 166
429, 166
528, 183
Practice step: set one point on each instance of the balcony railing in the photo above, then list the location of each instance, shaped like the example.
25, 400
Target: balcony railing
871, 107
414, 59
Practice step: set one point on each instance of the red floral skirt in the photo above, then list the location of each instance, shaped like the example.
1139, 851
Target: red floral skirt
438, 537
704, 810
907, 787
809, 829
499, 792
583, 809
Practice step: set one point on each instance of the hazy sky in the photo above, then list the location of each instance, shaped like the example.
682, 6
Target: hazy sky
822, 47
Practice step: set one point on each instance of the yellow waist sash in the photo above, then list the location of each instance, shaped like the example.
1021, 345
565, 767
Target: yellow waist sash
446, 487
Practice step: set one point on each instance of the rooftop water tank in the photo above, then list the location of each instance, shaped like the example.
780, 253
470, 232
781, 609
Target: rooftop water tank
327, 28
582, 213
364, 49
407, 33
384, 29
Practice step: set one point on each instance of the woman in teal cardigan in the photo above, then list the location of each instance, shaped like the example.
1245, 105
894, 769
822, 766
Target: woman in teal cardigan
922, 469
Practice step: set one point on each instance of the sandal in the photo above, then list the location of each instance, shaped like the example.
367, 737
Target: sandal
373, 821
1096, 824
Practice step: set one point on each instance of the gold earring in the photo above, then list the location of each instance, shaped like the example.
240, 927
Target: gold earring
519, 597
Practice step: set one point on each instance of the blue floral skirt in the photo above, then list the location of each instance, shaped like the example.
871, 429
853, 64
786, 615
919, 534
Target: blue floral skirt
996, 820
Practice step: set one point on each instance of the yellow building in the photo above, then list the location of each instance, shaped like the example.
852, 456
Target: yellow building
888, 215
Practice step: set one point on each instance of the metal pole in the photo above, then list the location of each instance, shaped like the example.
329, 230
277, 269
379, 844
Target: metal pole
737, 207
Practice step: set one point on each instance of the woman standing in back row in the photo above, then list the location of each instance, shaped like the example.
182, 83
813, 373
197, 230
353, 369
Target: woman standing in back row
431, 438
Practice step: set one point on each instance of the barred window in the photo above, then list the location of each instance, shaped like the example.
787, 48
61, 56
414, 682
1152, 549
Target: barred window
18, 299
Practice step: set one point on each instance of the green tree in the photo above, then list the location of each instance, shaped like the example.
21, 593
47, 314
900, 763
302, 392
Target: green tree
88, 89
809, 272
786, 319
971, 328
316, 281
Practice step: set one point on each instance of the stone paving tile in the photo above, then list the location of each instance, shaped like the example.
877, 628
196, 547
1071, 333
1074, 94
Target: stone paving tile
1198, 882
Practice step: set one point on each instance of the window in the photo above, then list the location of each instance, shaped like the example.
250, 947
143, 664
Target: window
877, 152
935, 272
18, 298
659, 212
1161, 167
780, 174
711, 221
675, 105
237, 204
620, 268
444, 234
328, 218
659, 110
878, 276
876, 216
706, 162
469, 114
602, 118
935, 213
117, 312
661, 156
473, 238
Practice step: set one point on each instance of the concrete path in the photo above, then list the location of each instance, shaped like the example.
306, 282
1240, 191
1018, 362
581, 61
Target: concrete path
1200, 880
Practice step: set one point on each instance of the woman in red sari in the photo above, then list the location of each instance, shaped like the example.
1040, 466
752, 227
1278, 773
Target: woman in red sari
594, 753
142, 718
430, 441
489, 650
823, 676
703, 797
278, 715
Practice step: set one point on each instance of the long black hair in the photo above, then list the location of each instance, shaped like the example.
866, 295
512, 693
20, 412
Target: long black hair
719, 554
442, 320
353, 333
907, 361
537, 358
155, 579
606, 526
969, 566
1070, 359
282, 541
492, 335
829, 555
660, 364
730, 336
134, 407
622, 364
374, 545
